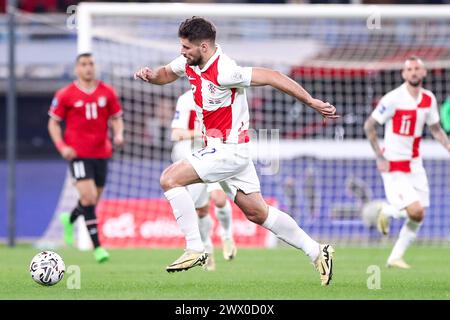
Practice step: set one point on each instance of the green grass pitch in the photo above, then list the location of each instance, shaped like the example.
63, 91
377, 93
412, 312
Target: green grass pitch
276, 274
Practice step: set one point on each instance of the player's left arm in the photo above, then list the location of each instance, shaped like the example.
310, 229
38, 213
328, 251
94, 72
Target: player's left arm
117, 126
115, 114
439, 134
432, 120
279, 81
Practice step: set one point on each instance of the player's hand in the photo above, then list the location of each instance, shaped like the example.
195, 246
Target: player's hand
144, 74
327, 110
118, 140
382, 164
68, 153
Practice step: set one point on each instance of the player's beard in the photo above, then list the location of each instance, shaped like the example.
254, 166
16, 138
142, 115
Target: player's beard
415, 82
194, 61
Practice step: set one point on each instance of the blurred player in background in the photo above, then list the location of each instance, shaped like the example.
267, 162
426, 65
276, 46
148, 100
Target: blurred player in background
218, 85
188, 138
445, 115
86, 106
404, 111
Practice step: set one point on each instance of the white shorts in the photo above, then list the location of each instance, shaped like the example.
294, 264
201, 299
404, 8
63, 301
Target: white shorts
200, 193
403, 188
229, 164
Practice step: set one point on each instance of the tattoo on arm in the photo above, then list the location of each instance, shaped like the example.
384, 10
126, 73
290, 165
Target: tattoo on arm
371, 134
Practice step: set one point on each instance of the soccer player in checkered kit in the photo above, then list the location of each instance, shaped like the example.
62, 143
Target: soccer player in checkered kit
218, 85
404, 112
187, 138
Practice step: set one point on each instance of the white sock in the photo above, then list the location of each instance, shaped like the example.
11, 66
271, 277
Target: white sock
205, 225
285, 228
186, 216
406, 237
224, 216
391, 211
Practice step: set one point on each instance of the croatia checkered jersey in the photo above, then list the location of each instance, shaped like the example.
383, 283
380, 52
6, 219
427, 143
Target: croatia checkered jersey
219, 95
86, 116
185, 115
185, 118
404, 119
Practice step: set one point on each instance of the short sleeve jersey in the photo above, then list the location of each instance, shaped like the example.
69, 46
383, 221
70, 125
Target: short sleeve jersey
86, 116
219, 94
185, 118
404, 119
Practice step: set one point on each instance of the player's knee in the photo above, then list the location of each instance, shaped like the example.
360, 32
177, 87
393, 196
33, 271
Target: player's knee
417, 214
220, 199
202, 212
88, 199
166, 181
256, 215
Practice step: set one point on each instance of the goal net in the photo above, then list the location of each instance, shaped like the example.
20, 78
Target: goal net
323, 174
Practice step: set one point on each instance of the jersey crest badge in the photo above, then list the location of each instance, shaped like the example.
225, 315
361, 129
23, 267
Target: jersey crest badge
102, 101
211, 88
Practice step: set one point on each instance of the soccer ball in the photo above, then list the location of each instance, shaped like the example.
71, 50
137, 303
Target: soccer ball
47, 268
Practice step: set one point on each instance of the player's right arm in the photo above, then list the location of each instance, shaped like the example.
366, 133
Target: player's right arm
181, 117
160, 76
379, 116
370, 128
55, 131
179, 134
57, 113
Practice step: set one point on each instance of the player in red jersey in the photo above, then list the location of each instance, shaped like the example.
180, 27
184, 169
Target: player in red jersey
86, 106
218, 85
404, 111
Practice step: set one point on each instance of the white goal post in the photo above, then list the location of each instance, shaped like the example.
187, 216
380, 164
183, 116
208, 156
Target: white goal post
86, 10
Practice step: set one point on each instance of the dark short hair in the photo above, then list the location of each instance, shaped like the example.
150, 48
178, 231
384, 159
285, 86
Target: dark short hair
413, 58
197, 29
83, 55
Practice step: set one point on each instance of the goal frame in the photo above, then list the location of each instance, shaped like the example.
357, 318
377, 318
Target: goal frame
85, 11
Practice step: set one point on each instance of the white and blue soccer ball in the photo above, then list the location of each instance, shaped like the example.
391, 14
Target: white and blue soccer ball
47, 268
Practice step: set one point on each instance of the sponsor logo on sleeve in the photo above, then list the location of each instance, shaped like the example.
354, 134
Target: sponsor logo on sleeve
381, 109
237, 76
54, 103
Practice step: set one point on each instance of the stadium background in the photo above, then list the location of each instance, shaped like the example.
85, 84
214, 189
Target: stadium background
42, 69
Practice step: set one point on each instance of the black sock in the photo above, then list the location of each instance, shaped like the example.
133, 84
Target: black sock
76, 212
91, 224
